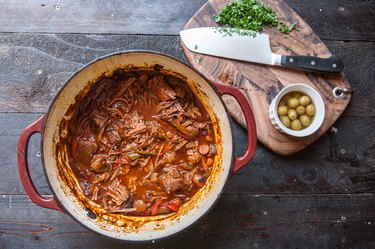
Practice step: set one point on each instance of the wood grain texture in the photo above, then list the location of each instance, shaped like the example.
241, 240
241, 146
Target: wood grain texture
34, 67
261, 83
321, 197
100, 17
350, 18
339, 162
359, 62
245, 221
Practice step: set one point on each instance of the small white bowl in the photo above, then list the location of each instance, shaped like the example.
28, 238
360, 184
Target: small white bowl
316, 99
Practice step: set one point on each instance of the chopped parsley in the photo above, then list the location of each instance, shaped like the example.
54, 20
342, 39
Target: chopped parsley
285, 29
232, 31
249, 15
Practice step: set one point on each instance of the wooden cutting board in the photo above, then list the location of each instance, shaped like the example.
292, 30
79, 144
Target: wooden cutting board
261, 83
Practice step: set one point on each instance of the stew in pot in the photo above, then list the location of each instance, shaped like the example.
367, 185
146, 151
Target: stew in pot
141, 143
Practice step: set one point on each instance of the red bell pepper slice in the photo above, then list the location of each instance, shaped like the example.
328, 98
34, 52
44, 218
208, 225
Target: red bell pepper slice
172, 206
155, 206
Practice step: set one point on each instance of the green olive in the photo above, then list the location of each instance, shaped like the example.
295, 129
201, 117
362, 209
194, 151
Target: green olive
293, 103
285, 121
310, 110
300, 110
304, 100
296, 125
282, 110
292, 114
305, 120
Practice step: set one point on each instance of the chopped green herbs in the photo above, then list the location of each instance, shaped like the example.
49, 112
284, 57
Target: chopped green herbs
232, 31
249, 15
285, 29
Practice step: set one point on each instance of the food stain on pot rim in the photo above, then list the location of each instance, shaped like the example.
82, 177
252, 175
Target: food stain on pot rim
120, 223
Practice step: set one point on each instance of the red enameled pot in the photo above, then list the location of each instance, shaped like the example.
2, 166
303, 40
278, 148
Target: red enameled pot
67, 194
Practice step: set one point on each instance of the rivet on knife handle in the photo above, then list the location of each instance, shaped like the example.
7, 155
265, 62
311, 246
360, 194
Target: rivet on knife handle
313, 64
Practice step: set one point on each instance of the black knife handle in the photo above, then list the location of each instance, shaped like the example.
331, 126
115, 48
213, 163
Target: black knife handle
313, 64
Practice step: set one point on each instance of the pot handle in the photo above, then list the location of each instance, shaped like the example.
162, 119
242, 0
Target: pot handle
250, 122
23, 169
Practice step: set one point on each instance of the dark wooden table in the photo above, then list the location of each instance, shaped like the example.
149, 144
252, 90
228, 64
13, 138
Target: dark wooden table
321, 197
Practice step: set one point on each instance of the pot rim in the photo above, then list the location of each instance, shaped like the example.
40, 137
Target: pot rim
151, 52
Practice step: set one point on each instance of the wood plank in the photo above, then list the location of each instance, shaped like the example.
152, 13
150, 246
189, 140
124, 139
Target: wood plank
328, 19
240, 221
359, 61
339, 162
11, 126
29, 82
158, 17
338, 20
342, 161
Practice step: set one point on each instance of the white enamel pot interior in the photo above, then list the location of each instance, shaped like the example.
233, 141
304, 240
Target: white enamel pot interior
65, 187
